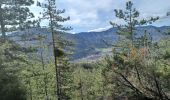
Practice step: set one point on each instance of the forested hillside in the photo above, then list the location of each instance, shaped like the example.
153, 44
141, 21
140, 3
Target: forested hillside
130, 61
90, 45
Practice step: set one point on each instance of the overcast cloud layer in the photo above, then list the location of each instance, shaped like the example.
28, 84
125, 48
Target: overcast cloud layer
89, 15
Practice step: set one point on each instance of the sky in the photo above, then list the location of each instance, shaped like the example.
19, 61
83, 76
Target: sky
95, 15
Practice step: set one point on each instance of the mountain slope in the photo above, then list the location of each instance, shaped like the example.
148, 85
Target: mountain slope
92, 45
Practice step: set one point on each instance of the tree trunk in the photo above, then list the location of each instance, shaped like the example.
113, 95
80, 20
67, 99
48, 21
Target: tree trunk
58, 88
45, 76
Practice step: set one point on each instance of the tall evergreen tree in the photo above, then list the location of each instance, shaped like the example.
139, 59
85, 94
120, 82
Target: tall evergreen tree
14, 14
131, 18
59, 45
130, 64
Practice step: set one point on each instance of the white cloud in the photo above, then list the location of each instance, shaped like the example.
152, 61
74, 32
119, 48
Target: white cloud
92, 14
85, 13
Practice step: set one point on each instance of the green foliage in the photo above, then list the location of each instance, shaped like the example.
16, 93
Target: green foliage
15, 15
87, 83
131, 18
136, 71
11, 65
142, 72
59, 46
33, 78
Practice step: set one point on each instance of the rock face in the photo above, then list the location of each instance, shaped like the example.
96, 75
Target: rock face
90, 45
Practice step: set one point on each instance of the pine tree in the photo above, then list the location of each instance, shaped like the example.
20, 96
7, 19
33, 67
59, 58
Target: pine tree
59, 45
41, 38
130, 16
131, 65
15, 14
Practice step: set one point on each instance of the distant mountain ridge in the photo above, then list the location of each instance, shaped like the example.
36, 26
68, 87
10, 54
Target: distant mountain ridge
88, 44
